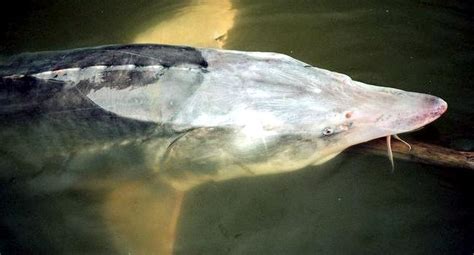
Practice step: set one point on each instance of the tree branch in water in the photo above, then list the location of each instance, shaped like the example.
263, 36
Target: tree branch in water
420, 152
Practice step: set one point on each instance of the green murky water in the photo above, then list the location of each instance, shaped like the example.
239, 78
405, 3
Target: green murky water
351, 205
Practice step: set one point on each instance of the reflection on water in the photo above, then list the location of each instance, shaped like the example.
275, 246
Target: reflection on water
63, 198
202, 23
142, 217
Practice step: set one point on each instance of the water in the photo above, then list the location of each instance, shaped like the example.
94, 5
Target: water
351, 205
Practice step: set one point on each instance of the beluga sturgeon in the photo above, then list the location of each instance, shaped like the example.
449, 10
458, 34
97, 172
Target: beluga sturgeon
185, 116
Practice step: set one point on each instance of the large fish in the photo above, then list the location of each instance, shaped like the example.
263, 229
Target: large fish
184, 116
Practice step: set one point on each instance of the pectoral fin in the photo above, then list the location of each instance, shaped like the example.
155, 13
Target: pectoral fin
199, 155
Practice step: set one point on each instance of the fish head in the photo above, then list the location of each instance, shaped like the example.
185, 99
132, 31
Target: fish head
360, 112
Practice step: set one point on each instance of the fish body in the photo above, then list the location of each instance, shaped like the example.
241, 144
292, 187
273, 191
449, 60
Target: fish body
194, 115
99, 145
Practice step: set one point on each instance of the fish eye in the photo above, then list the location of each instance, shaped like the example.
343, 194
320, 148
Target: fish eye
328, 131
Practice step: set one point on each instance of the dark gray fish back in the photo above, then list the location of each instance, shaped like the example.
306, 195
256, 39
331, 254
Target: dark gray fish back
114, 55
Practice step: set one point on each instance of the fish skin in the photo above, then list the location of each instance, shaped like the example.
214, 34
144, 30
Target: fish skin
99, 145
204, 114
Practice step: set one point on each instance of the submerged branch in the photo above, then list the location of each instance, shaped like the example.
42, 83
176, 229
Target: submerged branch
420, 152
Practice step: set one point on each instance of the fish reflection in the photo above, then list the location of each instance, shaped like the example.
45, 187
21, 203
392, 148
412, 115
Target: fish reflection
201, 23
142, 217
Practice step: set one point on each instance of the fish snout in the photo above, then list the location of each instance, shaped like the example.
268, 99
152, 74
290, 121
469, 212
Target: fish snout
414, 111
429, 109
435, 107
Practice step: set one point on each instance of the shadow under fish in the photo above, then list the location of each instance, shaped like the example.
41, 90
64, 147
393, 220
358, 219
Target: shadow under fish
123, 131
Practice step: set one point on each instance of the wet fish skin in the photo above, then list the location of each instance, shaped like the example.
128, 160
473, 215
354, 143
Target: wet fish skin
195, 115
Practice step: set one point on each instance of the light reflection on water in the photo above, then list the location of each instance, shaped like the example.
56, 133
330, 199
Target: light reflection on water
199, 24
350, 205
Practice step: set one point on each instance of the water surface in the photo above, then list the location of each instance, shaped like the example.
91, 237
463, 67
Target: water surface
351, 205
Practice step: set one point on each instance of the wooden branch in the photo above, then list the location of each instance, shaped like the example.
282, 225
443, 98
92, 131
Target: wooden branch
420, 152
